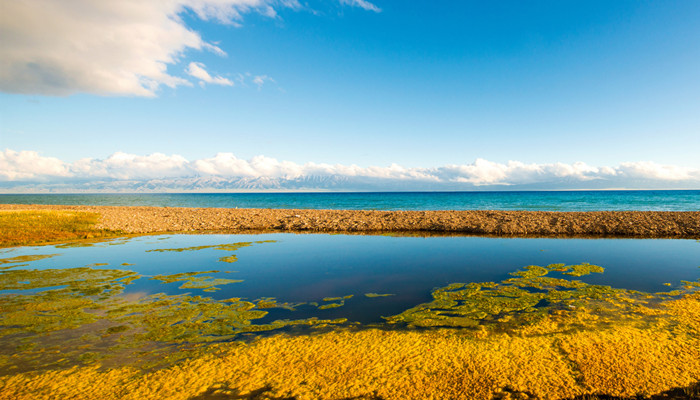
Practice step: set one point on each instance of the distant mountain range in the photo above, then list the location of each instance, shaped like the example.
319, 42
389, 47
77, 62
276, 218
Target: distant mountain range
308, 183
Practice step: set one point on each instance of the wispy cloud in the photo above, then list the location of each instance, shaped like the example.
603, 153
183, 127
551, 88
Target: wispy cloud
362, 4
260, 80
196, 70
29, 166
111, 47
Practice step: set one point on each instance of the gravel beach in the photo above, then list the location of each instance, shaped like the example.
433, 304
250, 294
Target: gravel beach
637, 224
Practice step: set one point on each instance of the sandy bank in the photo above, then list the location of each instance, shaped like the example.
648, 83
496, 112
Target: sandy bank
639, 224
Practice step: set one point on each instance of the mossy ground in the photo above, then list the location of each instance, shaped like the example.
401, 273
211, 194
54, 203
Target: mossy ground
552, 337
388, 364
34, 227
541, 332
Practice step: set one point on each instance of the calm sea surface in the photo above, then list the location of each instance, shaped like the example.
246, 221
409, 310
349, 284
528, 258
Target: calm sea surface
645, 200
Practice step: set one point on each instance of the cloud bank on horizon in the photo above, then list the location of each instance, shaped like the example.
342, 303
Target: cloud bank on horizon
122, 48
30, 171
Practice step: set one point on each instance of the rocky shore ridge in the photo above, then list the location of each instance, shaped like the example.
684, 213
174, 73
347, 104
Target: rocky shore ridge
637, 224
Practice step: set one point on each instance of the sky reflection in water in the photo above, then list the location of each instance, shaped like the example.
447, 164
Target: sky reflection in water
310, 267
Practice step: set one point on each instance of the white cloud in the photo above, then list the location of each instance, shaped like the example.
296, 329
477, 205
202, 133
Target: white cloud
362, 4
110, 47
129, 166
651, 170
30, 166
196, 69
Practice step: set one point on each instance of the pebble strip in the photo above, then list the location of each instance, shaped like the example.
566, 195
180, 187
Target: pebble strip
638, 224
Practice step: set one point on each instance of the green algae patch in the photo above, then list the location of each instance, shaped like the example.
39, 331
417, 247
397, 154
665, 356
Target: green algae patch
339, 298
224, 247
531, 296
373, 295
84, 313
87, 281
229, 259
191, 280
25, 259
584, 269
331, 305
532, 333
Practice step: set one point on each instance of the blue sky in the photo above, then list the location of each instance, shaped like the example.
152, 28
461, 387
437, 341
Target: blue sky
419, 84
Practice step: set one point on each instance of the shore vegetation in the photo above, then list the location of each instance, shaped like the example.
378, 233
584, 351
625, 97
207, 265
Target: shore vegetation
26, 227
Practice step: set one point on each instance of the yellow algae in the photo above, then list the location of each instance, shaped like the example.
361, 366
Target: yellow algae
225, 247
548, 337
331, 305
192, 281
229, 259
25, 259
97, 265
373, 295
339, 298
83, 280
526, 299
394, 365
584, 269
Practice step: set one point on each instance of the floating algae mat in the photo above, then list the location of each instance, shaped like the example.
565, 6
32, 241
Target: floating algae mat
341, 316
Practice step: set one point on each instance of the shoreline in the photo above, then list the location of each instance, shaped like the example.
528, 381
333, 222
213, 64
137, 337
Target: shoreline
591, 224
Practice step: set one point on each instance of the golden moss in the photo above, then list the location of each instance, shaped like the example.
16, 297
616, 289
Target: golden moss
372, 363
550, 337
30, 227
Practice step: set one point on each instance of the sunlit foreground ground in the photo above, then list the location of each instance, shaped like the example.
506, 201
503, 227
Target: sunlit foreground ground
530, 335
540, 334
28, 227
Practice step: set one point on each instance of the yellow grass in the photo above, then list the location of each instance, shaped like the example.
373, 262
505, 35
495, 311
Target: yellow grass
19, 228
626, 359
395, 365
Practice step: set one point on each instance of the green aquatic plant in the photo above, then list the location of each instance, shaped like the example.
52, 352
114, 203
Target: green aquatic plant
84, 312
24, 259
192, 281
584, 269
82, 316
331, 305
339, 298
373, 295
80, 280
527, 298
229, 259
225, 247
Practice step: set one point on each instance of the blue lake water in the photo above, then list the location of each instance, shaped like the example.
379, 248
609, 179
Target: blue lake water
304, 268
642, 200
